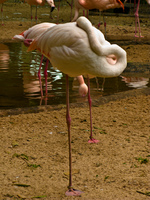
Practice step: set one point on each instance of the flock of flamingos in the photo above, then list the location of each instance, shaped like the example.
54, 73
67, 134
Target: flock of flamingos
77, 49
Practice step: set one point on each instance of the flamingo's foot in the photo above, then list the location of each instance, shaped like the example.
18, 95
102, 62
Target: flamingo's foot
139, 36
92, 140
73, 192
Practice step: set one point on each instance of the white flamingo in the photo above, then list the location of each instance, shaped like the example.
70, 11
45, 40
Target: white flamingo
77, 48
95, 4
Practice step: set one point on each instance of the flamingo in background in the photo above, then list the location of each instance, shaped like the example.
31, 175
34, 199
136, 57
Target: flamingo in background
137, 21
34, 32
1, 2
95, 4
41, 3
78, 48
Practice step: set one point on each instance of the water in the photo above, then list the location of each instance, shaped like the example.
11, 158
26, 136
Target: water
19, 84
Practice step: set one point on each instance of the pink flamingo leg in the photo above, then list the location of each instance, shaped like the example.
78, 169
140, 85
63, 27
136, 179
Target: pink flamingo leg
137, 21
71, 9
2, 14
46, 74
39, 75
58, 12
87, 14
91, 140
31, 16
71, 191
99, 24
83, 12
36, 15
104, 24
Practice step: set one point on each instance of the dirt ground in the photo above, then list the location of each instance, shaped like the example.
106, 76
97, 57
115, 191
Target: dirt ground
34, 146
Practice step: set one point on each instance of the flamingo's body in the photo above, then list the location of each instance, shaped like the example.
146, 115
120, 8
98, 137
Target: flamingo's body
78, 48
34, 32
1, 2
86, 51
41, 3
137, 21
95, 4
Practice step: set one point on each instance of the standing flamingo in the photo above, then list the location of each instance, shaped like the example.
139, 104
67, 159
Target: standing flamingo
77, 48
31, 34
1, 2
41, 3
137, 21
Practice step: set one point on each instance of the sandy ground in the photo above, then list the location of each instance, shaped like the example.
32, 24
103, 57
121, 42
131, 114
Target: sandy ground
34, 147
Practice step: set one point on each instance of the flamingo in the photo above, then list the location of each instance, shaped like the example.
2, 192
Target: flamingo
41, 3
34, 32
137, 21
95, 4
1, 2
78, 48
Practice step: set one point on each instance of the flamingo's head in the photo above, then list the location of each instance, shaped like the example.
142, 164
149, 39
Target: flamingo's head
51, 3
27, 42
83, 90
121, 4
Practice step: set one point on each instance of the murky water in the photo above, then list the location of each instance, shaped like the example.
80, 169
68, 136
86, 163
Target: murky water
19, 83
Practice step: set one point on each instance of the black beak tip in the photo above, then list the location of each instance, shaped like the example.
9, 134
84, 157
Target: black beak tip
52, 8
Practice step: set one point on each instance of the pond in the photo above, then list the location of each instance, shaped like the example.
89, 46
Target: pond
19, 83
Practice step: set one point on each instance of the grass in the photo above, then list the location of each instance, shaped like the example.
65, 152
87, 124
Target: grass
142, 160
26, 159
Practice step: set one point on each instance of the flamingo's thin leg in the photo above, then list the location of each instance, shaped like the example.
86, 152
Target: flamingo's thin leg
46, 74
39, 75
91, 140
71, 191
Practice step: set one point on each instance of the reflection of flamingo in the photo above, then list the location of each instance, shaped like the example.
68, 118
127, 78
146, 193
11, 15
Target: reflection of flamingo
95, 4
75, 49
32, 33
135, 82
1, 2
137, 21
41, 3
4, 57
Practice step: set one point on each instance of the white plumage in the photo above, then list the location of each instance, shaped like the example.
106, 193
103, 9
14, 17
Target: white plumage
78, 48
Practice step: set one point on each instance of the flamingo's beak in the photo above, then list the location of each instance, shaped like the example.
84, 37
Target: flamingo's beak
122, 5
52, 8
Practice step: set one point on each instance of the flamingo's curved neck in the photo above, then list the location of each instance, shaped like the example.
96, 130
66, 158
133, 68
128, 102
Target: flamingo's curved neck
114, 54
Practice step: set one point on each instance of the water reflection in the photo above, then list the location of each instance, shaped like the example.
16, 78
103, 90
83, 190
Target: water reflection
19, 83
4, 57
136, 82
